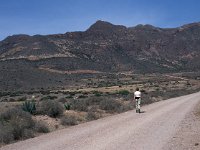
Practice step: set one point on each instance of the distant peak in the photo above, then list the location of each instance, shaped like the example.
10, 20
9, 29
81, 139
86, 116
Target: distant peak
102, 22
99, 25
196, 24
147, 26
103, 25
17, 37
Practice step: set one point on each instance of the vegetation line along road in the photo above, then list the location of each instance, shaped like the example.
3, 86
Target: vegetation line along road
123, 131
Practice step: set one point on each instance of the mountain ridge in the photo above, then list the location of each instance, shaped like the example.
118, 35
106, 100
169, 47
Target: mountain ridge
104, 47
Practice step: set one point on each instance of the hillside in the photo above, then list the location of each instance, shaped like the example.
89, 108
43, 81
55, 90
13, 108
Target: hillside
55, 60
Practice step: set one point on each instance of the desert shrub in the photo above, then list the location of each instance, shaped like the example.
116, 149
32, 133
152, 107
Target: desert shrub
45, 92
127, 106
79, 104
49, 97
143, 91
6, 135
82, 96
27, 133
146, 99
111, 105
15, 125
62, 100
11, 100
69, 96
97, 93
22, 99
94, 100
67, 106
14, 94
69, 119
123, 92
92, 114
83, 104
41, 127
175, 93
72, 93
51, 108
4, 94
29, 106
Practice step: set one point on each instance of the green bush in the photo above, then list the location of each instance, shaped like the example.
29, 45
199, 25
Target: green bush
69, 96
123, 92
29, 107
67, 106
97, 93
51, 108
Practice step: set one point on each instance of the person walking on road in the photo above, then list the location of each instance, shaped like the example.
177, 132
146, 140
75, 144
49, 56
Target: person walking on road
137, 97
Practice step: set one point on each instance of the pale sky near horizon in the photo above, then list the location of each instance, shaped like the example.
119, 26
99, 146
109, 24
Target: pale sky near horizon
60, 16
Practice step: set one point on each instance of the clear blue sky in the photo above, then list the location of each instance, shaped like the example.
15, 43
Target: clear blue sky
60, 16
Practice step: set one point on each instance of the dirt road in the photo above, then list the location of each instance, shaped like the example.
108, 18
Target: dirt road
150, 130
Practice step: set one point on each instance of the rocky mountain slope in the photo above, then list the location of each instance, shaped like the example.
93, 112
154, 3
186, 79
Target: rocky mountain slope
104, 47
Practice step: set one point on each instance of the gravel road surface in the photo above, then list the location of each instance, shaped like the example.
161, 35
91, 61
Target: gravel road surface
151, 130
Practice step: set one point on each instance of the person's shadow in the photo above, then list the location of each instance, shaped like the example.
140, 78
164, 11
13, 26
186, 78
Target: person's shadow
142, 111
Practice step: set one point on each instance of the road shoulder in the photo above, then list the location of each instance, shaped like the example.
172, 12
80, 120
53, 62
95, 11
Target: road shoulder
188, 134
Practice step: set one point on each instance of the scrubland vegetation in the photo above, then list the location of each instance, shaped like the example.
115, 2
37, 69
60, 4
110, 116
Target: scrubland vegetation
25, 115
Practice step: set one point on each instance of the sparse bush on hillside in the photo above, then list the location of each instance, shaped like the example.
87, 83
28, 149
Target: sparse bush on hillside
22, 99
14, 94
97, 93
45, 92
62, 100
123, 92
51, 108
69, 96
82, 96
49, 97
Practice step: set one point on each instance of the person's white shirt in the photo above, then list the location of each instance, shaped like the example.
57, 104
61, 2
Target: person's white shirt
137, 94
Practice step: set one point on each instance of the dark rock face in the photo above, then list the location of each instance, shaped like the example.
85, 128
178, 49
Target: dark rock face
106, 47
